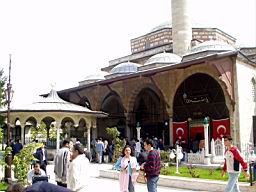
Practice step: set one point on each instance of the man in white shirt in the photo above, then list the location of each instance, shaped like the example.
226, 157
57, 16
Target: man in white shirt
78, 177
35, 172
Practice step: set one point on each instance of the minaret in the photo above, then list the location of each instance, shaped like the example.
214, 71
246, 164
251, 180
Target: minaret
181, 27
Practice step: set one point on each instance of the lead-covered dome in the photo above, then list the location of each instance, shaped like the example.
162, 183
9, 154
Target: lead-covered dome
168, 24
97, 76
212, 46
163, 58
125, 68
160, 60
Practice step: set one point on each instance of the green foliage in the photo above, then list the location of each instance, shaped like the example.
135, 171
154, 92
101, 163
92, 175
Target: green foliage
39, 132
2, 90
3, 186
1, 128
193, 172
164, 169
119, 144
203, 173
7, 151
164, 156
22, 161
52, 132
2, 100
211, 171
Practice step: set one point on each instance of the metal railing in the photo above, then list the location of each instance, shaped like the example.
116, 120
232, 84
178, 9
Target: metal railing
252, 171
50, 143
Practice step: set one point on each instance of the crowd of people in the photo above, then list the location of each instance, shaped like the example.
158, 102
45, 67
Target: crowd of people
71, 165
102, 150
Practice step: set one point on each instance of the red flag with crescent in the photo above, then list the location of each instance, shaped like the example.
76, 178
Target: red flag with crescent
220, 128
180, 129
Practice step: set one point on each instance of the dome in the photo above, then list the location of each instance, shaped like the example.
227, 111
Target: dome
98, 76
168, 24
164, 58
125, 68
212, 46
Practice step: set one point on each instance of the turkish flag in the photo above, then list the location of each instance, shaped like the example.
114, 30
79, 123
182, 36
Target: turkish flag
180, 129
220, 128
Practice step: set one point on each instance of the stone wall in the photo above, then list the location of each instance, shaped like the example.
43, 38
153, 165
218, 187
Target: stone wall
164, 36
151, 40
245, 101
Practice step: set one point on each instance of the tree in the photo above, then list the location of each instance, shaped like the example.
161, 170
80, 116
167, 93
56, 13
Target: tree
52, 132
22, 161
2, 100
39, 132
118, 143
2, 89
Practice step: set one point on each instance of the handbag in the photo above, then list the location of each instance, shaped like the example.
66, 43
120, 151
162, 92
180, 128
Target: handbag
141, 177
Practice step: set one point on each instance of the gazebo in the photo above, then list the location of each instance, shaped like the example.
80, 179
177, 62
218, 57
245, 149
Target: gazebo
55, 113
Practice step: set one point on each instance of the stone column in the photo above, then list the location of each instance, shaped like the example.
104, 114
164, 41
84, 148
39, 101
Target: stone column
206, 144
22, 127
171, 130
206, 139
138, 131
127, 129
58, 136
89, 138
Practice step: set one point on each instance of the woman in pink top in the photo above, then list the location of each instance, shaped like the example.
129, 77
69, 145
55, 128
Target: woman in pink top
127, 175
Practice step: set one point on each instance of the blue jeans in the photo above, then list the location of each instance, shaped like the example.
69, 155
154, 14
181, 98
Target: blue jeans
232, 185
130, 186
152, 183
99, 156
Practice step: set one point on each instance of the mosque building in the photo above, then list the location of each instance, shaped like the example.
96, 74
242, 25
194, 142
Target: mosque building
176, 75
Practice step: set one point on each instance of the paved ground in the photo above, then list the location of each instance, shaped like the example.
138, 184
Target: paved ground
99, 184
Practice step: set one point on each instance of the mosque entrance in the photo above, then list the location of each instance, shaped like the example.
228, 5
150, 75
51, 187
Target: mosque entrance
149, 111
199, 96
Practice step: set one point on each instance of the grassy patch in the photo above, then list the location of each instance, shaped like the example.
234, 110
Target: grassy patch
192, 172
3, 186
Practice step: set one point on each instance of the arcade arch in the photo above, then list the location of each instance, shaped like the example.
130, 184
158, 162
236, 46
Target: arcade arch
150, 112
197, 97
112, 104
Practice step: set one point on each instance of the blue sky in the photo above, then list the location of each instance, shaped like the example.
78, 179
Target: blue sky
61, 42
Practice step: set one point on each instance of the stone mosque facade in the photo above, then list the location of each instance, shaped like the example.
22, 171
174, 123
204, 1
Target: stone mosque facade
176, 75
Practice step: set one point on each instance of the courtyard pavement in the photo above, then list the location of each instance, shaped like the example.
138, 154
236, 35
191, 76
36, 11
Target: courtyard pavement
98, 183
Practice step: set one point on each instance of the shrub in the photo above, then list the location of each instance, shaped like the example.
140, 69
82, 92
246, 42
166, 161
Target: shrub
192, 171
22, 161
164, 156
118, 143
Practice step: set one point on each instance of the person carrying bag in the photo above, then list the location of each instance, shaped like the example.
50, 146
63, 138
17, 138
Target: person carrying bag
141, 178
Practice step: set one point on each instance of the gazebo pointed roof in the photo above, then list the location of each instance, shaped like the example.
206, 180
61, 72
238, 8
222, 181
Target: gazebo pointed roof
53, 103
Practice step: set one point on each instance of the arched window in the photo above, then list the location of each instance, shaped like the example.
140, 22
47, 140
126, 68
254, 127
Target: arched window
85, 103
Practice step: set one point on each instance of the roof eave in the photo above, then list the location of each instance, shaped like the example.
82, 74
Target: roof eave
90, 113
